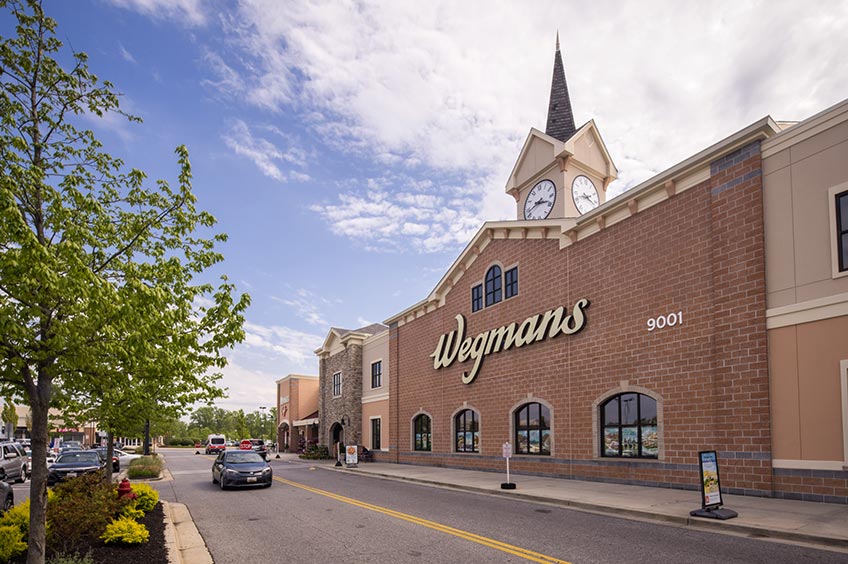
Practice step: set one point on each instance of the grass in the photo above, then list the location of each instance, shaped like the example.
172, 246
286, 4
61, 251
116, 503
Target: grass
145, 467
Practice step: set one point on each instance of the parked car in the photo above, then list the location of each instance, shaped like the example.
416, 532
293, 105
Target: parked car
259, 448
7, 497
74, 463
116, 462
13, 462
126, 457
236, 468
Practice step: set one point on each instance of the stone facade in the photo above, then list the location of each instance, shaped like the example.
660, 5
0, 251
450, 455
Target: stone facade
332, 409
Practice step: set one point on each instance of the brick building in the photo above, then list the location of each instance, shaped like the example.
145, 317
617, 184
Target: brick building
297, 412
614, 340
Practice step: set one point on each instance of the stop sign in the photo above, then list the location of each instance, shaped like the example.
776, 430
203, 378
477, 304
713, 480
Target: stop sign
245, 445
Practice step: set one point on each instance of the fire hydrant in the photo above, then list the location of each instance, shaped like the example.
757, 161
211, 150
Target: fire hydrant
125, 489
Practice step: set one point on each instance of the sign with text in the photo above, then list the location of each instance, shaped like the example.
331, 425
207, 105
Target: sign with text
454, 345
507, 450
351, 454
710, 485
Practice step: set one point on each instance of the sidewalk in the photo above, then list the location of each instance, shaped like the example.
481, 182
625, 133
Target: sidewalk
821, 524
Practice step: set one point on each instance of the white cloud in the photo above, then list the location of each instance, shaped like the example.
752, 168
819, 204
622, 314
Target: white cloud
282, 343
186, 12
306, 305
264, 154
453, 88
126, 55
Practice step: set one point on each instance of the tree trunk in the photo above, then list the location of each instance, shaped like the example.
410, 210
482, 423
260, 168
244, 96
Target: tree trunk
38, 483
110, 452
146, 450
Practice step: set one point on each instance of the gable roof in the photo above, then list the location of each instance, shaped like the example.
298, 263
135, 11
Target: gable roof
347, 335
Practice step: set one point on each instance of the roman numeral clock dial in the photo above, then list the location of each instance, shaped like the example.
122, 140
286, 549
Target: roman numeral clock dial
585, 194
540, 200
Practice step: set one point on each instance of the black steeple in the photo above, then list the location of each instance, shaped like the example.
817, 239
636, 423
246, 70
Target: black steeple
560, 119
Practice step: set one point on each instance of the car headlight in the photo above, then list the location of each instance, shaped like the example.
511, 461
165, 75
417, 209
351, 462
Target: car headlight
266, 470
231, 471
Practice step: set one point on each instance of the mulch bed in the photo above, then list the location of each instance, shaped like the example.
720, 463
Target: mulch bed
151, 552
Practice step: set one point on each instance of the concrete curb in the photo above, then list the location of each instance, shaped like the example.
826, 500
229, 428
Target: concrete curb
725, 527
182, 539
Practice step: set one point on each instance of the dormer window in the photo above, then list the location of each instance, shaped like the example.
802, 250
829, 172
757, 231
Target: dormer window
499, 286
493, 285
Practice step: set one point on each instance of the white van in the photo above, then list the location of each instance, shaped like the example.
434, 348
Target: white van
215, 444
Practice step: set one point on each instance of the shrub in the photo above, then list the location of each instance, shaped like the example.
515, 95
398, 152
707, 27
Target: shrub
11, 543
125, 531
146, 497
74, 558
316, 452
80, 510
145, 467
17, 516
132, 510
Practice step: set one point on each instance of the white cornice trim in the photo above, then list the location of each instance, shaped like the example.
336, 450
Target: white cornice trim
372, 399
807, 312
834, 465
297, 377
811, 126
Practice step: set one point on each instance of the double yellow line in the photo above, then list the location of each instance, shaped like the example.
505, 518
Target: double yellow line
485, 541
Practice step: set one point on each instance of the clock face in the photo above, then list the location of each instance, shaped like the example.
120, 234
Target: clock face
584, 193
540, 200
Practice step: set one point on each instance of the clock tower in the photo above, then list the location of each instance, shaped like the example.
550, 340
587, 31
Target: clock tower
565, 171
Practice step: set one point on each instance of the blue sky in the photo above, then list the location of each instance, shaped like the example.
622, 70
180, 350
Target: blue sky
352, 149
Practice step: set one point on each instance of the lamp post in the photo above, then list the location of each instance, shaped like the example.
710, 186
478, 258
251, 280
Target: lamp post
262, 409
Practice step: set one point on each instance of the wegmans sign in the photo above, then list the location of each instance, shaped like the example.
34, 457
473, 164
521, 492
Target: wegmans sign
455, 346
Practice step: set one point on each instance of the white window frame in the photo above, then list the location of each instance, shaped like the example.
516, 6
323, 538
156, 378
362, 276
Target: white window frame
337, 395
834, 241
843, 379
380, 360
371, 431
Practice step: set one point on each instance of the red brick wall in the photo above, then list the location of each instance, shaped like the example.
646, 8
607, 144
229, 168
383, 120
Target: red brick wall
700, 252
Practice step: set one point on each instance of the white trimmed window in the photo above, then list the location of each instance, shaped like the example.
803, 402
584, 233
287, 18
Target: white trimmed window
337, 384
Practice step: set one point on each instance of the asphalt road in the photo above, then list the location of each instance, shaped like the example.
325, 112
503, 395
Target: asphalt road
318, 515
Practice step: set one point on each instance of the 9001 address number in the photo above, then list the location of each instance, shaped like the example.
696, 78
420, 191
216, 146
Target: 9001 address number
663, 321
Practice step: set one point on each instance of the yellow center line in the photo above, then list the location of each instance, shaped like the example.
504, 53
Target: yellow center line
485, 541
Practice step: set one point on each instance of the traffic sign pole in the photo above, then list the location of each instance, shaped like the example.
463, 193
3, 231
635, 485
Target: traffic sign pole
507, 453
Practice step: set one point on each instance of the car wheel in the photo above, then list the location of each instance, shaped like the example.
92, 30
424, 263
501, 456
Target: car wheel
221, 482
8, 504
214, 481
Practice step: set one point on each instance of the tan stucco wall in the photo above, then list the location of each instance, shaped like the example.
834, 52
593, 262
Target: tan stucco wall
539, 155
805, 390
376, 409
797, 203
375, 348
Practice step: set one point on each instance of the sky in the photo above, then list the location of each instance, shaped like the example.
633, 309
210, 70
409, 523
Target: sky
350, 150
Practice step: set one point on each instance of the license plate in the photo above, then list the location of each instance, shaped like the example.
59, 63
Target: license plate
249, 480
71, 474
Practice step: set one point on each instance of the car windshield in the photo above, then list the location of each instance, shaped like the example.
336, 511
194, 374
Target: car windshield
243, 457
80, 456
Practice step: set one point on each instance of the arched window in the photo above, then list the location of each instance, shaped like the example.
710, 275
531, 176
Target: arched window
493, 285
421, 430
629, 423
533, 429
467, 431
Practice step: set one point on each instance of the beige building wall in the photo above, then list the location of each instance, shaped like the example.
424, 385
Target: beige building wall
375, 401
804, 168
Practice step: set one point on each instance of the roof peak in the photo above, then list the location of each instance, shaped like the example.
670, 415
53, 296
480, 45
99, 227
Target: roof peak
560, 117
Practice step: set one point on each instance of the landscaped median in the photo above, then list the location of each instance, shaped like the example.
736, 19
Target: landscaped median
91, 522
145, 468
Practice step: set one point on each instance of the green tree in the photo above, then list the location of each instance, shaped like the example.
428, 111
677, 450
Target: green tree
9, 417
98, 266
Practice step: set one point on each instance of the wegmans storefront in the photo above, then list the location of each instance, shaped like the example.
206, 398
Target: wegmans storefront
614, 340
